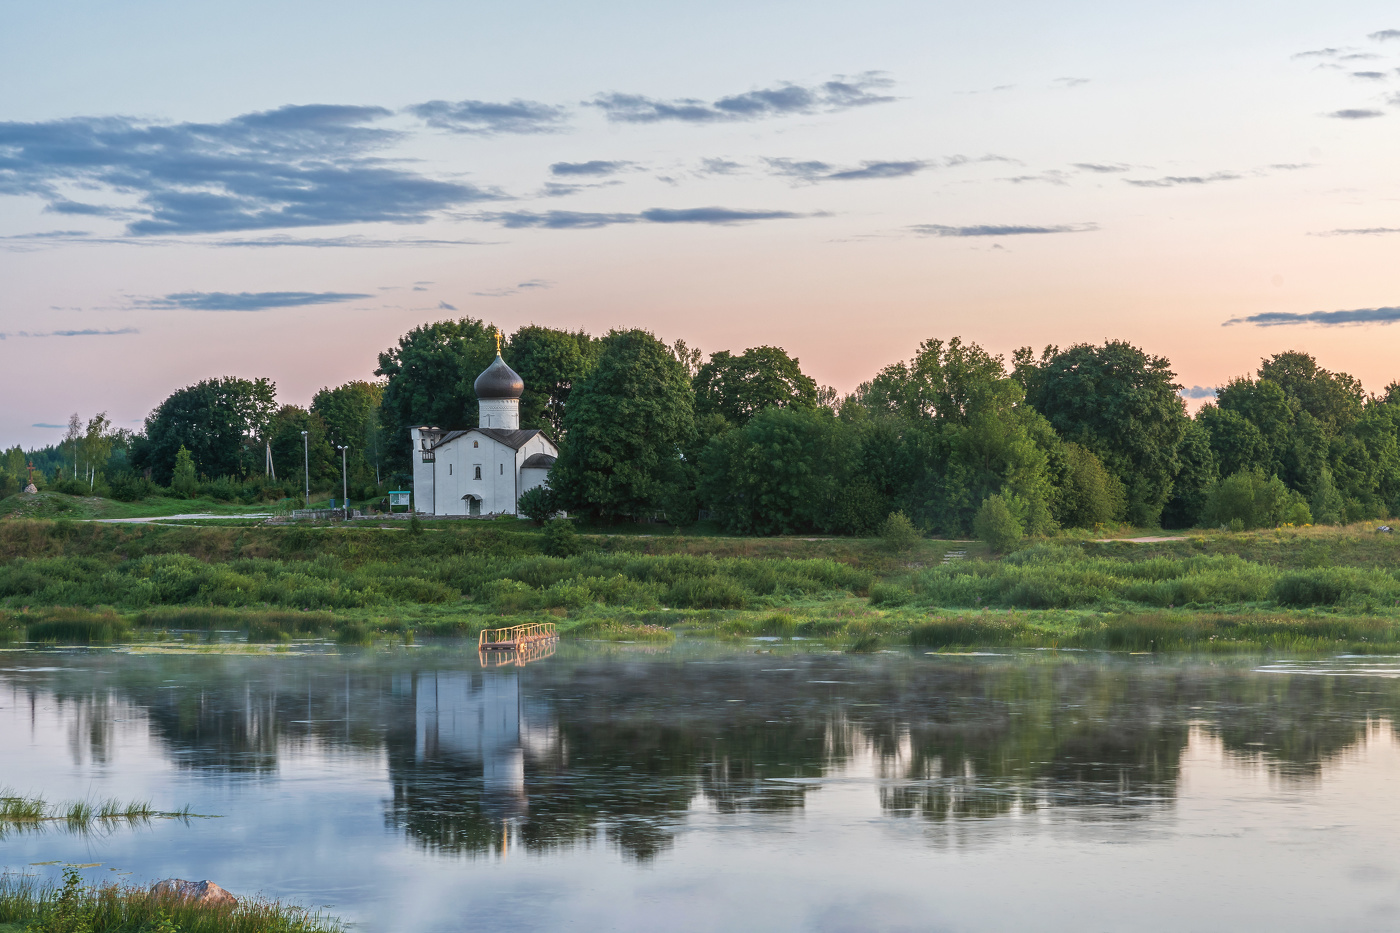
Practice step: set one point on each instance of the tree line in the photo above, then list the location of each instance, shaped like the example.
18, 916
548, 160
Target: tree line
1065, 438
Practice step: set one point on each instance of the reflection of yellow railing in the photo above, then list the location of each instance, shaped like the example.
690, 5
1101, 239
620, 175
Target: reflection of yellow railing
516, 636
530, 651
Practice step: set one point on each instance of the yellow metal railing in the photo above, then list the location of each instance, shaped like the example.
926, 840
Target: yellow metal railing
519, 657
516, 636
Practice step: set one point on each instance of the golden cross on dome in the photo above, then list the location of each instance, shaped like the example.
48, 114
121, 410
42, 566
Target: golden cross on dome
498, 341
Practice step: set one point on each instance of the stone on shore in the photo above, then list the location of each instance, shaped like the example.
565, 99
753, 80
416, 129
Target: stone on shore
204, 893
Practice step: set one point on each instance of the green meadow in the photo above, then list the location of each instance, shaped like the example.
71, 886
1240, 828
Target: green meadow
76, 582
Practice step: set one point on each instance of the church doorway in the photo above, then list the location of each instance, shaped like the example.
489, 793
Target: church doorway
473, 504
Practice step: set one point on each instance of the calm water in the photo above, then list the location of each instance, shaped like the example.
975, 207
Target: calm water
703, 788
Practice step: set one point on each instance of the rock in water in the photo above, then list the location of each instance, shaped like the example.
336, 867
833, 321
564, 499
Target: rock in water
204, 893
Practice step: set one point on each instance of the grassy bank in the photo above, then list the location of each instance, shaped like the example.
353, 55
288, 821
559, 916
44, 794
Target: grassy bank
68, 582
34, 908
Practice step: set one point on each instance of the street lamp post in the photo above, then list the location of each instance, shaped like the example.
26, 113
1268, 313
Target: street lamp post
306, 454
344, 483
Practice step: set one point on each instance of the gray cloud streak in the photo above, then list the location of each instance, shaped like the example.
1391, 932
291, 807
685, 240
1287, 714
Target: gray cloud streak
984, 230
86, 332
840, 93
245, 301
1325, 318
579, 220
484, 118
297, 166
1356, 114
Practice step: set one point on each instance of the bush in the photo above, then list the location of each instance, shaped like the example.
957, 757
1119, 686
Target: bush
538, 504
560, 539
996, 526
132, 487
898, 532
185, 481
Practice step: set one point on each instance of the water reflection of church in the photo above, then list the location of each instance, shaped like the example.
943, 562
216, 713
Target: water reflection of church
461, 782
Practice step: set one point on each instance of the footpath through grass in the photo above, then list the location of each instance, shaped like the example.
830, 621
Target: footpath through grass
1294, 589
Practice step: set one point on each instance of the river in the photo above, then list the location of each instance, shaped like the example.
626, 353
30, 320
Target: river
766, 786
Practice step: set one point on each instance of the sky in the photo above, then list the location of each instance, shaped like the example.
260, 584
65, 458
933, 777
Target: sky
283, 190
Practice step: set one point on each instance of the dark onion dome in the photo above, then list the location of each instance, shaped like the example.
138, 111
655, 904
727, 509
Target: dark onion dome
499, 381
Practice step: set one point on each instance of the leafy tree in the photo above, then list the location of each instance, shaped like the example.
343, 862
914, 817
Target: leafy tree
1089, 494
1334, 399
1253, 501
739, 387
1199, 473
996, 524
1263, 404
350, 413
429, 377
219, 421
779, 473
1123, 405
1234, 440
1328, 507
898, 533
625, 428
537, 503
290, 452
551, 362
184, 480
938, 385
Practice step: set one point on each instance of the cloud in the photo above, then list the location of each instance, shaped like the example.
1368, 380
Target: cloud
245, 301
596, 167
813, 171
1072, 82
1328, 318
1102, 168
86, 332
1319, 53
978, 230
1370, 75
1360, 231
342, 242
444, 306
578, 220
840, 93
1385, 35
1172, 181
1051, 176
1356, 114
482, 118
719, 167
1198, 392
297, 166
513, 290
58, 426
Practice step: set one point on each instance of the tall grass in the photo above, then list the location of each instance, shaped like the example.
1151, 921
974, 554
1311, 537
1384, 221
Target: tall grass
24, 812
111, 908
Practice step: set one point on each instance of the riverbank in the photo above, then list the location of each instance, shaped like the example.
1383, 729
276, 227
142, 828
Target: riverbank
29, 907
1291, 589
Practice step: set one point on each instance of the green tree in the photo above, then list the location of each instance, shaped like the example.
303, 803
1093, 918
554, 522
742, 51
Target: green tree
1334, 399
429, 377
184, 480
290, 451
1089, 494
1123, 405
1235, 442
625, 428
1328, 507
1198, 474
939, 385
350, 413
219, 421
996, 524
551, 362
739, 387
778, 474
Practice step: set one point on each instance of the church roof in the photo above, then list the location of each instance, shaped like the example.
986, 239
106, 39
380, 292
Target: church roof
499, 381
512, 439
538, 462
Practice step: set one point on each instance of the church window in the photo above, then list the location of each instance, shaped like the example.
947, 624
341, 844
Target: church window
503, 469
449, 469
476, 443
478, 472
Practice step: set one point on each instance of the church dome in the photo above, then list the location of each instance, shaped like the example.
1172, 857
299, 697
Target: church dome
499, 381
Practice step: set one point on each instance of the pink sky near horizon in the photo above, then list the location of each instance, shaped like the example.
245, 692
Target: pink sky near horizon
1222, 177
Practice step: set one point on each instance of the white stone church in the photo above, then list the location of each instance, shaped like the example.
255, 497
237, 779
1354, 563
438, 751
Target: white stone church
484, 470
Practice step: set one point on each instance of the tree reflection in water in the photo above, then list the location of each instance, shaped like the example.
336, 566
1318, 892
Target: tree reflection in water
616, 747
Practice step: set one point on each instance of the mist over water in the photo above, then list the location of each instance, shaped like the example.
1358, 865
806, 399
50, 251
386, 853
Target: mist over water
700, 787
